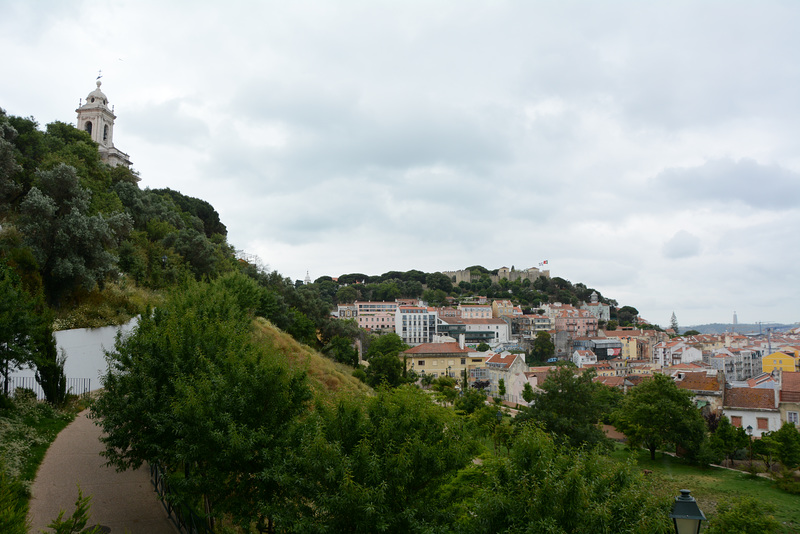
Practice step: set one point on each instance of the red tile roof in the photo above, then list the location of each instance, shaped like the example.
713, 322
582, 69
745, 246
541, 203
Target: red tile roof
750, 398
698, 382
790, 387
504, 360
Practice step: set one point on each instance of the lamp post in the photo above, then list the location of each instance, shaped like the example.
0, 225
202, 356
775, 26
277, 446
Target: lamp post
750, 440
686, 515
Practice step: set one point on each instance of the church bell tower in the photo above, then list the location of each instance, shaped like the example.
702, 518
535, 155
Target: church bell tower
97, 119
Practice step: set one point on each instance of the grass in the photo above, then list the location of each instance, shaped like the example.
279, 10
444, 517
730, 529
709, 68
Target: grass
116, 303
714, 485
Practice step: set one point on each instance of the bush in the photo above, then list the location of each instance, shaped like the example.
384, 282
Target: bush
746, 516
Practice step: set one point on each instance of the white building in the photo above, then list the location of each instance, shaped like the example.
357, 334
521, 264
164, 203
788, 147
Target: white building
511, 368
96, 118
416, 324
584, 357
753, 408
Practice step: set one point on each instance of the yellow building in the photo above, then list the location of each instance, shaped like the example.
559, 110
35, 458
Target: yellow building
440, 359
787, 359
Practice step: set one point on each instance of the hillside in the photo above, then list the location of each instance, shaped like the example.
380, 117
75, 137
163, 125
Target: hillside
328, 379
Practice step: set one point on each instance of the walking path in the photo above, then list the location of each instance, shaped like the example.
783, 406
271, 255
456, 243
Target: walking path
122, 502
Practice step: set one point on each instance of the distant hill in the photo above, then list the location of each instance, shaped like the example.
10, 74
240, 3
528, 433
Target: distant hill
720, 328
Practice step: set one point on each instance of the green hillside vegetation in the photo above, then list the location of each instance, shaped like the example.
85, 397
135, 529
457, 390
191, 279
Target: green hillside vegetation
328, 379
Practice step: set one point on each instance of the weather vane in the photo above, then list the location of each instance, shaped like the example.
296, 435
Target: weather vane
99, 74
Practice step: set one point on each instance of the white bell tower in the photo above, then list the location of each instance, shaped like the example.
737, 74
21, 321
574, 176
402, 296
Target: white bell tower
96, 118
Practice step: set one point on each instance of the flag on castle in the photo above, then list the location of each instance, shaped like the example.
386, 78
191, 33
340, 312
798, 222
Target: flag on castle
543, 263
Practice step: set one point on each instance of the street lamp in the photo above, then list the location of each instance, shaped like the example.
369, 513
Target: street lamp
750, 439
686, 515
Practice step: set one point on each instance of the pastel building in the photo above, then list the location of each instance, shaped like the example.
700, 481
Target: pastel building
786, 359
376, 315
443, 359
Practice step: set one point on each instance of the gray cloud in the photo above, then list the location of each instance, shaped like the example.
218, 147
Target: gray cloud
682, 245
166, 122
743, 182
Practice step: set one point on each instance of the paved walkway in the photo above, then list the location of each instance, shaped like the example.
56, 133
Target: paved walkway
122, 502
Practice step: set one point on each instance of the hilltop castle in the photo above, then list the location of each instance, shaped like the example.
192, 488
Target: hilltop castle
96, 118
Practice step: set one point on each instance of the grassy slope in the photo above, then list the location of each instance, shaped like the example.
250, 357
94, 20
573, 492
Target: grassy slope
328, 379
716, 485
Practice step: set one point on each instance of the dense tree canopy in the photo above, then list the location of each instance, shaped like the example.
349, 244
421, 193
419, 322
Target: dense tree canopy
188, 389
376, 465
545, 487
567, 405
657, 413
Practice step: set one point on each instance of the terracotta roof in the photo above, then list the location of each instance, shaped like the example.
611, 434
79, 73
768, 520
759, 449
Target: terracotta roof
790, 387
750, 398
698, 382
504, 360
436, 348
610, 381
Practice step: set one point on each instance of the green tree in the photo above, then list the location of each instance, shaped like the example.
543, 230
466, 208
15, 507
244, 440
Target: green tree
627, 315
445, 387
543, 348
611, 325
545, 487
567, 405
50, 366
470, 401
386, 344
439, 281
385, 369
656, 413
501, 388
346, 295
727, 439
376, 465
673, 323
71, 246
527, 392
10, 188
19, 324
341, 349
482, 347
787, 445
190, 390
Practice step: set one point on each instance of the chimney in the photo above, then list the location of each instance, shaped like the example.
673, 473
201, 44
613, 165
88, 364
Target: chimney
461, 339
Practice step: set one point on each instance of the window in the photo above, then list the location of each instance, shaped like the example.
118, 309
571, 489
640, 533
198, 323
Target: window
88, 127
463, 361
736, 420
792, 417
105, 133
762, 423
421, 363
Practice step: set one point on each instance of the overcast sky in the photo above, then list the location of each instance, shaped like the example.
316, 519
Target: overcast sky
646, 149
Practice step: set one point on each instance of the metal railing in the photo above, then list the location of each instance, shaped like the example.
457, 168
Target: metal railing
75, 386
183, 516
